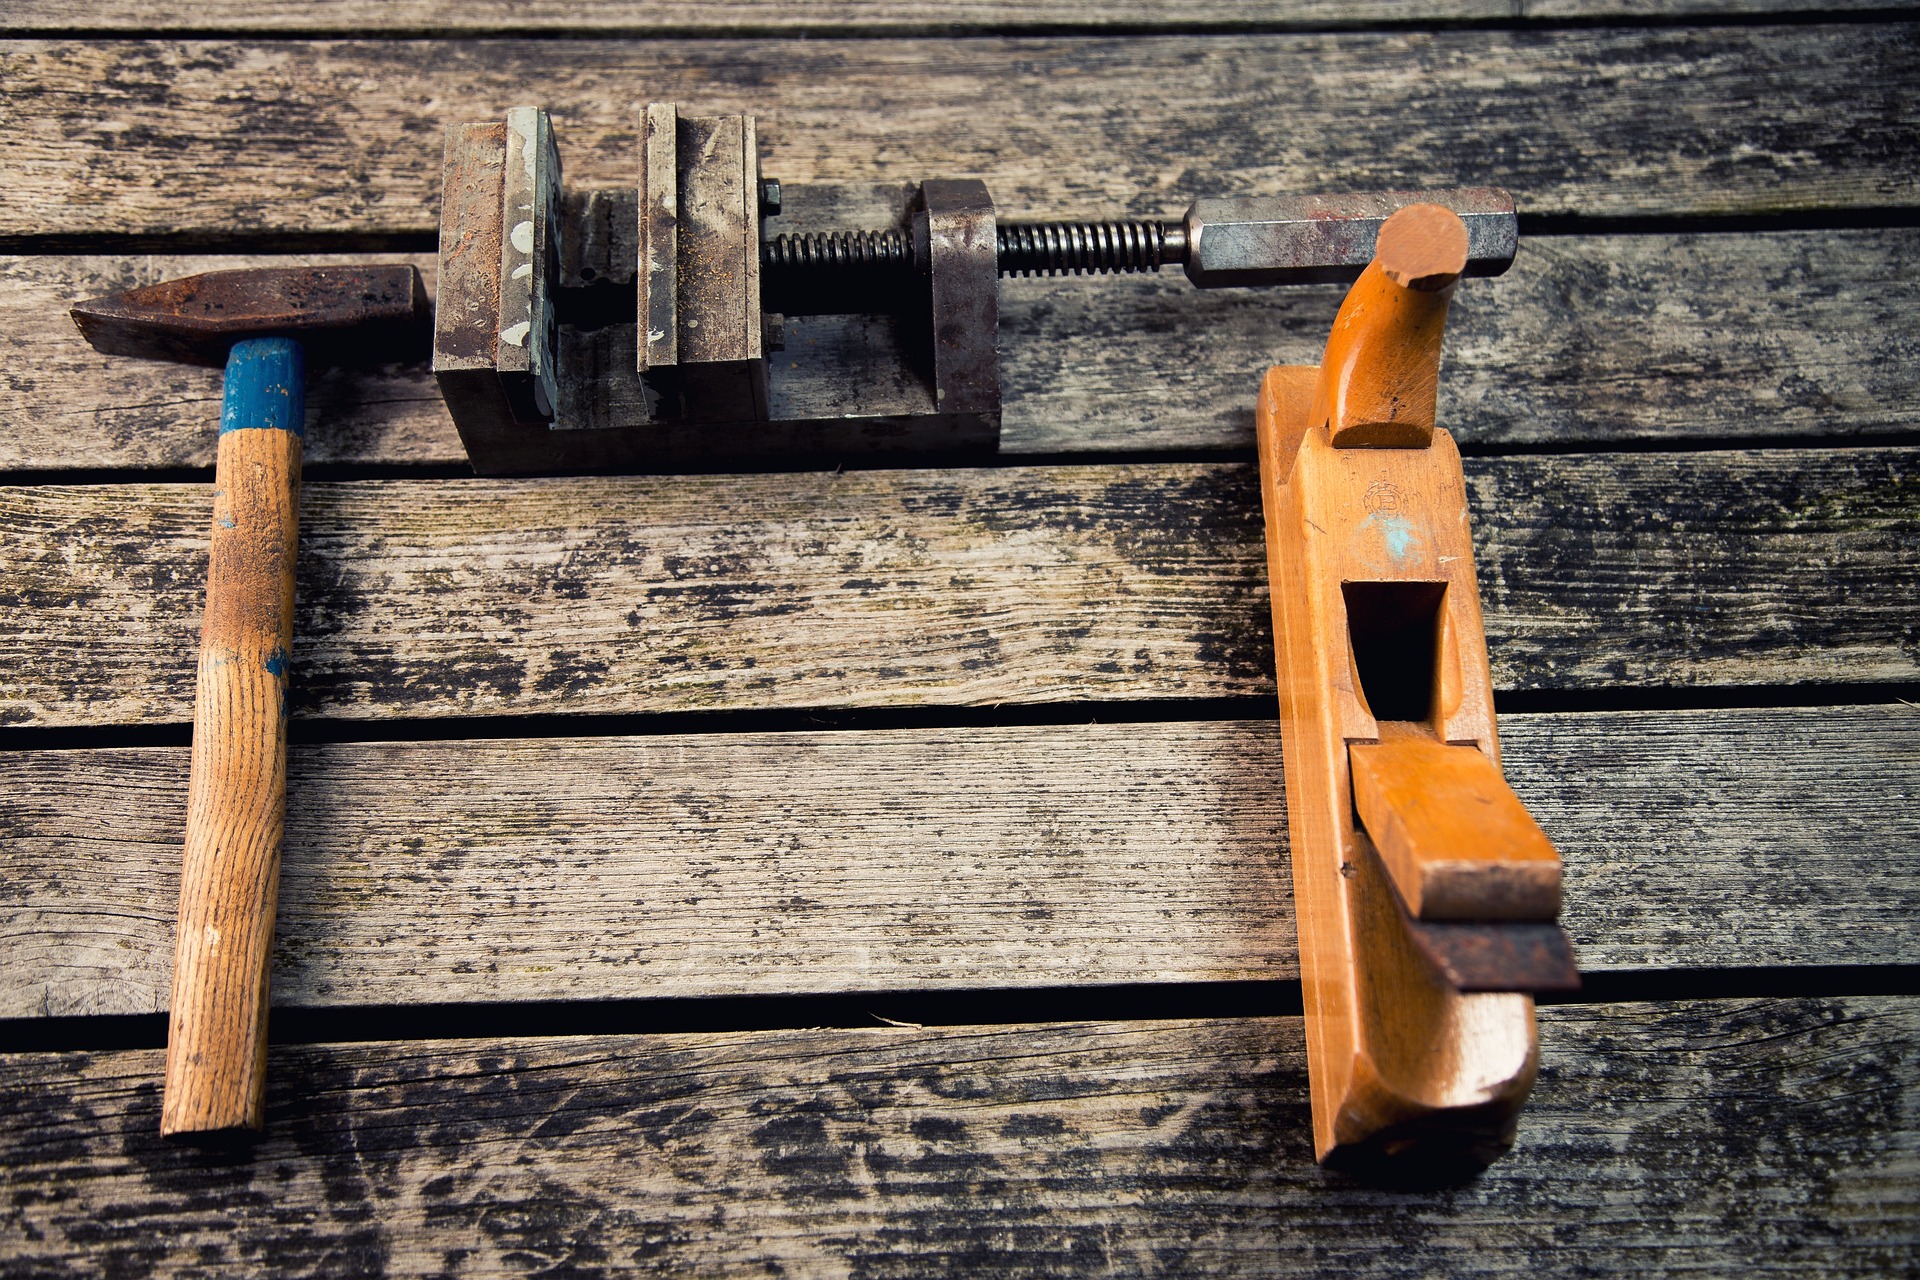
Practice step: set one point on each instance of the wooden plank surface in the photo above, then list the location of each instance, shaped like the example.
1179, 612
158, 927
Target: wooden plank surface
1603, 339
1588, 338
1722, 1138
813, 863
961, 587
1771, 1137
217, 138
657, 18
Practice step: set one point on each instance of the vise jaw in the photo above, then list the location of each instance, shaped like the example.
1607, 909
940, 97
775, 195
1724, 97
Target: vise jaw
702, 347
496, 338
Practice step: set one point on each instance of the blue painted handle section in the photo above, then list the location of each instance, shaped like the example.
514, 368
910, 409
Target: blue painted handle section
266, 387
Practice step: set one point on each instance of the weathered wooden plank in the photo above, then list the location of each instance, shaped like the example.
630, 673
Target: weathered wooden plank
686, 866
1723, 1138
1630, 561
1602, 338
154, 138
1587, 338
658, 18
975, 587
1729, 838
1663, 9
782, 864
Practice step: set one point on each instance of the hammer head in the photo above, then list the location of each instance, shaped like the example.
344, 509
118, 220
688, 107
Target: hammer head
343, 315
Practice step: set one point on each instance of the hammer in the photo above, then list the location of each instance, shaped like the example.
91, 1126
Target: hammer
262, 324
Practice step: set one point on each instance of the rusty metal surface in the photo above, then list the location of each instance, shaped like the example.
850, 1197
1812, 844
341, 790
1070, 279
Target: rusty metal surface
599, 244
846, 385
344, 314
1329, 239
888, 334
956, 225
529, 265
717, 233
839, 273
658, 269
1266, 240
1498, 956
718, 370
1084, 248
466, 323
752, 321
466, 318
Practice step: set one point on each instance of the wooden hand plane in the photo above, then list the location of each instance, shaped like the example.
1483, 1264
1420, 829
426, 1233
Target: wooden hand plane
1426, 894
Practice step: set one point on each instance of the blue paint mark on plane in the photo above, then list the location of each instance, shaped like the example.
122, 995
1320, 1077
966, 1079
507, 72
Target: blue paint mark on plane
1396, 531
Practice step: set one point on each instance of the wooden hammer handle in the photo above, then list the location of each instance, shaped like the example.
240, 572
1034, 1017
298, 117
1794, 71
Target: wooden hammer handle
236, 798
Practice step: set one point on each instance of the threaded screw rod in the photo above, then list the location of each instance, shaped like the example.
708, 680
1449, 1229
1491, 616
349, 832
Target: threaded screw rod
1084, 248
1021, 249
836, 251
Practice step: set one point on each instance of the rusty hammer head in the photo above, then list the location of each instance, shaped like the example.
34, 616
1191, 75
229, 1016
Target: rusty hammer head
342, 315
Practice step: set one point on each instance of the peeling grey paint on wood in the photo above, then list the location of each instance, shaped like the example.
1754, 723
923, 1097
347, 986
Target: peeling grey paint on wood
1721, 1137
703, 865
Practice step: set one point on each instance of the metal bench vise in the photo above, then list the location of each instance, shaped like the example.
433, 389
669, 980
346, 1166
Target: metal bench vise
706, 313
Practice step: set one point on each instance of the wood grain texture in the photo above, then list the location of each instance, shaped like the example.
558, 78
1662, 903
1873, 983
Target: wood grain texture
1692, 542
1454, 836
151, 138
237, 794
1370, 561
709, 865
657, 18
966, 587
1731, 1137
1381, 372
1601, 338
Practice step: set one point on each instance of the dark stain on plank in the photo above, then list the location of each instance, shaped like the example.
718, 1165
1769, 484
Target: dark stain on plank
1662, 1139
963, 587
1696, 531
152, 138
